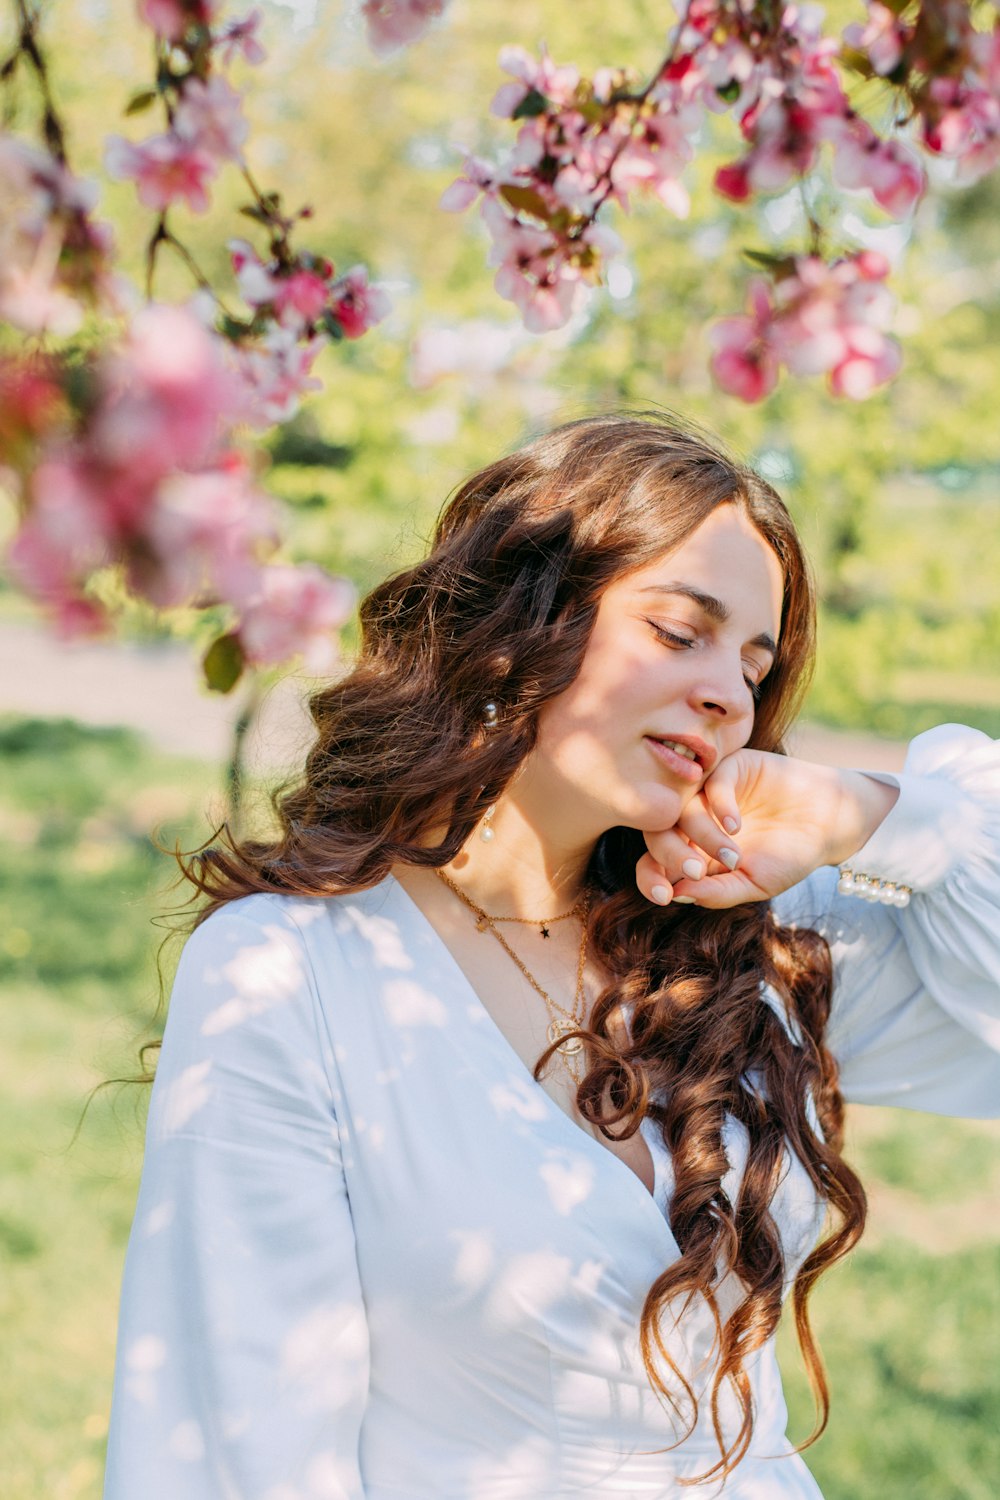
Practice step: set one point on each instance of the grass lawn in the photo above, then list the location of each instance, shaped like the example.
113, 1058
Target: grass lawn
910, 1325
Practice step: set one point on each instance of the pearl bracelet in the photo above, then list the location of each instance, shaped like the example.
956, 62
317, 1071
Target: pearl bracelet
871, 888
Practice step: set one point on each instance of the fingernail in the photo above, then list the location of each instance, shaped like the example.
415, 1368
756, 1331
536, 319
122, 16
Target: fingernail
730, 825
684, 901
693, 869
729, 858
661, 895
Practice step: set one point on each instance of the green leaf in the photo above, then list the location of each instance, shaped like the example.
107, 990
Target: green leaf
141, 101
329, 322
251, 211
223, 663
525, 200
782, 265
234, 328
532, 105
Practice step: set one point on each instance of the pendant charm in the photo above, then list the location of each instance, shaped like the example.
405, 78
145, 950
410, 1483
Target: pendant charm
481, 924
545, 932
572, 1046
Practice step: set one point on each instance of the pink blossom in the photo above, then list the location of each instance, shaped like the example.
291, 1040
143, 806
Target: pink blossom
31, 301
744, 364
654, 161
60, 542
477, 177
963, 121
170, 396
295, 610
558, 84
240, 39
274, 375
358, 304
544, 304
165, 168
392, 24
883, 38
862, 372
733, 181
171, 18
833, 319
205, 532
257, 286
299, 298
210, 118
32, 408
887, 169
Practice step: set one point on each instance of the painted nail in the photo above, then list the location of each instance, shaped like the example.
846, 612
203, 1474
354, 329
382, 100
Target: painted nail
684, 901
730, 824
661, 895
729, 858
693, 869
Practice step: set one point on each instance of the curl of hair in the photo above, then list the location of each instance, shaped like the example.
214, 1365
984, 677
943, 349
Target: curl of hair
401, 772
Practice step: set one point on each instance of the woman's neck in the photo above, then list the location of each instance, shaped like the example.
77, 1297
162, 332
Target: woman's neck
525, 869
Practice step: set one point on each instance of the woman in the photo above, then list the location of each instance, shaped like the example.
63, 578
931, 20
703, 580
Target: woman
486, 1141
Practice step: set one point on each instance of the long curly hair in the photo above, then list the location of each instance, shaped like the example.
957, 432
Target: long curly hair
502, 608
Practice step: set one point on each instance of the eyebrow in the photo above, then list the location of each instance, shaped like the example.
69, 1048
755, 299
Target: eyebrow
714, 608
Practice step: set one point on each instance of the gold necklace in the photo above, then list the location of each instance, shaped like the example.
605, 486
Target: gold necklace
542, 923
562, 1022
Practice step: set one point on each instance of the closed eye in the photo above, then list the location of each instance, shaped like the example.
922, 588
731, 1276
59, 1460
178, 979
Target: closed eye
668, 635
756, 688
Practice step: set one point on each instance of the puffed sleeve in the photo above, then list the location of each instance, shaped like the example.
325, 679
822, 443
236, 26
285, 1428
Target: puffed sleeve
915, 1019
242, 1363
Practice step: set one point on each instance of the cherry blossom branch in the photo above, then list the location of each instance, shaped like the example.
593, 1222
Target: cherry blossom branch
28, 48
127, 458
769, 67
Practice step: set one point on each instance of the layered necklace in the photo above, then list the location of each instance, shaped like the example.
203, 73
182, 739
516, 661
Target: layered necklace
562, 1021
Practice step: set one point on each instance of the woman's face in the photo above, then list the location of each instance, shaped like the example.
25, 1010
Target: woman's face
677, 651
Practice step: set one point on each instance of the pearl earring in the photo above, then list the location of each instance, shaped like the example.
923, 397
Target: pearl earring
491, 717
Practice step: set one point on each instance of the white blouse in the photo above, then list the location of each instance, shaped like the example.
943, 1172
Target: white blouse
372, 1259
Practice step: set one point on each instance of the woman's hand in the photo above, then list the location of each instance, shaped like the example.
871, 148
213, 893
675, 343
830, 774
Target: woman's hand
759, 824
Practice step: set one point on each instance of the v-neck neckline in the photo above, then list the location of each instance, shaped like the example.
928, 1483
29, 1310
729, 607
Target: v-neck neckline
503, 1043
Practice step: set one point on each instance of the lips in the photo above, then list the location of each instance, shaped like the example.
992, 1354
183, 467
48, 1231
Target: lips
686, 750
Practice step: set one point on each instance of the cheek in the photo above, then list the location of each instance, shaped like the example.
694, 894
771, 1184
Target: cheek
606, 703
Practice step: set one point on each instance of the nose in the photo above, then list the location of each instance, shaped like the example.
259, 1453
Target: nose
720, 690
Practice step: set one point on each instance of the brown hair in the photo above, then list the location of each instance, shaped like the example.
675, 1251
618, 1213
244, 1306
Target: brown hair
502, 609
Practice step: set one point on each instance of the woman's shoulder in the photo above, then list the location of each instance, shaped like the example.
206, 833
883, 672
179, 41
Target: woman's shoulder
313, 926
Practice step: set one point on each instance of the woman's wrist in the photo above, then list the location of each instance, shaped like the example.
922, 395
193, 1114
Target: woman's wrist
863, 805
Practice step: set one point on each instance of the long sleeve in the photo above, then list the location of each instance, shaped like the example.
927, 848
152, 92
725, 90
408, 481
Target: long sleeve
916, 1004
242, 1365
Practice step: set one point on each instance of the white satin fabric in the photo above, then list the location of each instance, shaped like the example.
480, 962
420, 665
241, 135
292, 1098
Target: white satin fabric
373, 1260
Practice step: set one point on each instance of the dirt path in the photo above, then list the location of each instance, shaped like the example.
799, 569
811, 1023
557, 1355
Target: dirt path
155, 689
